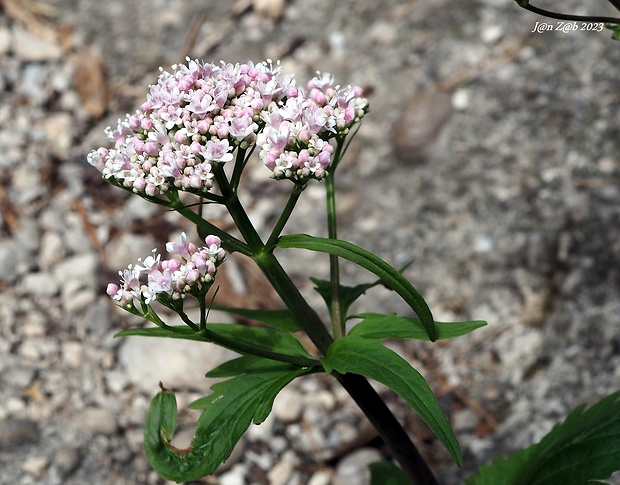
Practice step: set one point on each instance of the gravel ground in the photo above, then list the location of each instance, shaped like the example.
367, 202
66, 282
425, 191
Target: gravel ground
489, 156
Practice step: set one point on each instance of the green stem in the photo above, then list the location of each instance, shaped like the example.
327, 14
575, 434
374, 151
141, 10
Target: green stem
240, 162
284, 217
229, 243
334, 269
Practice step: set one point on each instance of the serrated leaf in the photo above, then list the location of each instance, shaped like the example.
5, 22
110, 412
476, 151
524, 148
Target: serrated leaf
371, 359
378, 326
348, 294
390, 276
228, 412
386, 473
583, 448
278, 319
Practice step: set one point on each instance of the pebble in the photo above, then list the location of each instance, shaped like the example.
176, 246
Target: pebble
77, 271
273, 9
236, 476
178, 364
58, 129
126, 249
14, 259
30, 48
75, 302
19, 376
5, 41
420, 124
40, 284
282, 471
98, 421
353, 469
17, 432
322, 477
73, 354
67, 460
35, 466
288, 405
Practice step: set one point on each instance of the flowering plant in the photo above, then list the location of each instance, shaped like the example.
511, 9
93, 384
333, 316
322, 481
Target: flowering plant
195, 133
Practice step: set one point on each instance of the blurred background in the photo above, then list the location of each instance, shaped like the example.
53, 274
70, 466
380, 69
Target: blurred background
489, 157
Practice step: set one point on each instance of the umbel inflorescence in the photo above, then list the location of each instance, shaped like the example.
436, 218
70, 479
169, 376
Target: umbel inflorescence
156, 279
200, 113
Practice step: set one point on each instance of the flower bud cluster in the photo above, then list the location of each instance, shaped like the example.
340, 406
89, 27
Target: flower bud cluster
199, 113
148, 279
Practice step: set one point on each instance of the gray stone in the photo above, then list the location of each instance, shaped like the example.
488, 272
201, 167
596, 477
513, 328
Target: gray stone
14, 259
35, 466
353, 469
126, 249
67, 460
79, 271
288, 405
420, 124
97, 421
5, 40
40, 284
178, 364
283, 471
29, 47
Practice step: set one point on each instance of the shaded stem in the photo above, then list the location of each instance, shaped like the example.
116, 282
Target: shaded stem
562, 16
388, 427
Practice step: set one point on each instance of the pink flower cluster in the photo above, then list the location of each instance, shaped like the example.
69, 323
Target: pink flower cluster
200, 113
146, 280
294, 142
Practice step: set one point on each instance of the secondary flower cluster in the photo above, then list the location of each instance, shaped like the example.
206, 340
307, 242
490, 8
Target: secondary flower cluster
146, 280
199, 113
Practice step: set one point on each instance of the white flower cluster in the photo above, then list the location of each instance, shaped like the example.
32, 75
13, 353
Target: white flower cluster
146, 280
200, 113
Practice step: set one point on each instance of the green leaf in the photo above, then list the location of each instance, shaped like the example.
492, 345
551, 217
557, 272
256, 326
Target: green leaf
386, 473
348, 294
584, 448
247, 364
279, 319
390, 276
228, 412
258, 337
615, 35
239, 338
177, 331
371, 359
378, 326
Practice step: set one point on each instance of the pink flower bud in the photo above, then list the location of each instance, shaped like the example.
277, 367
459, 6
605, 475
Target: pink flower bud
134, 122
146, 124
213, 240
112, 289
